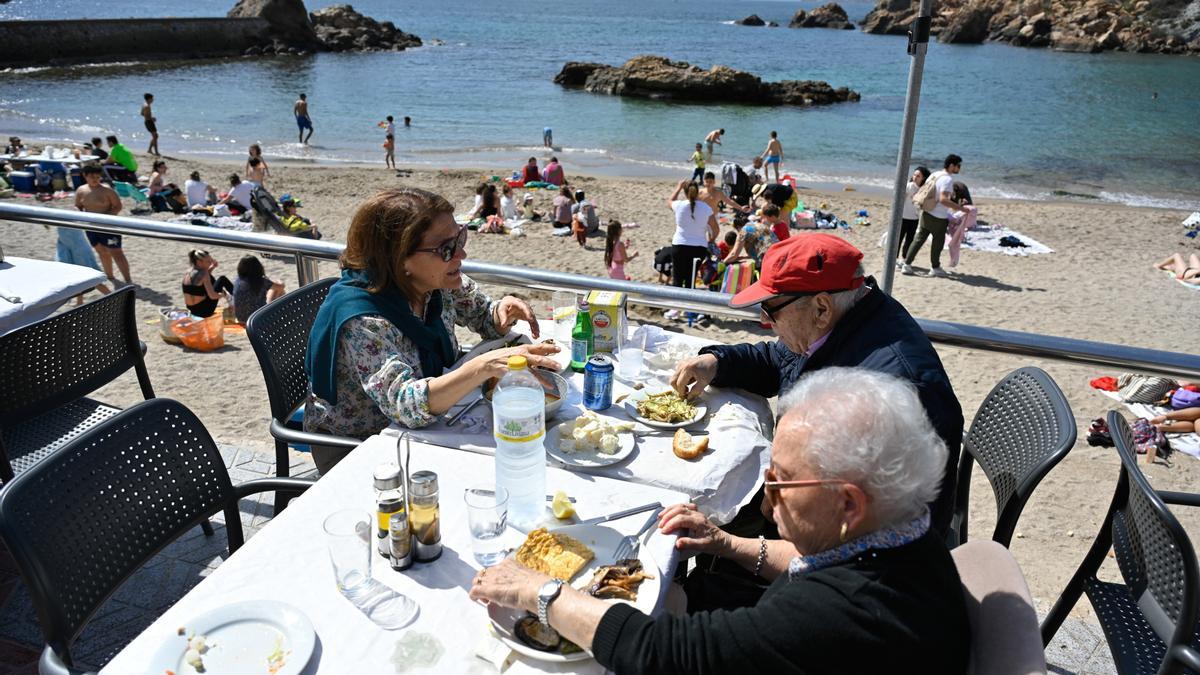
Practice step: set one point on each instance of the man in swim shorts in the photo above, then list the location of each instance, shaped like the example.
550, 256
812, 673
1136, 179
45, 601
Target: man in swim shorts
95, 197
548, 137
151, 126
773, 155
713, 136
300, 109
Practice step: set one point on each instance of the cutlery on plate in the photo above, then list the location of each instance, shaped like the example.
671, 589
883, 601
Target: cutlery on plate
624, 514
631, 544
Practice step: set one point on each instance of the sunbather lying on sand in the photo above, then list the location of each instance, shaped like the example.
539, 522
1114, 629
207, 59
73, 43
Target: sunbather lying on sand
1178, 421
1184, 271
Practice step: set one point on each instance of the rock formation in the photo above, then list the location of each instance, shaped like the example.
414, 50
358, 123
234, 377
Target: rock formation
1163, 26
290, 25
826, 16
340, 28
657, 77
752, 20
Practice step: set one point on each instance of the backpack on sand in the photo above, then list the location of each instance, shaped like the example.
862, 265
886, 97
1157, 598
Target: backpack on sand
927, 197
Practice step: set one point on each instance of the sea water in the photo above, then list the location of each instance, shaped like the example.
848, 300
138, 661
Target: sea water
519, 418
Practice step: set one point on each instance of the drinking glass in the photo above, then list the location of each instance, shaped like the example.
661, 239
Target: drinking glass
349, 535
563, 308
487, 516
631, 359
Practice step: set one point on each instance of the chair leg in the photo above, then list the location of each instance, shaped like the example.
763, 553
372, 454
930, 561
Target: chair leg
282, 470
207, 527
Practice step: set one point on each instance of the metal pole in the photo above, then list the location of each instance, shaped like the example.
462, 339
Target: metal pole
918, 42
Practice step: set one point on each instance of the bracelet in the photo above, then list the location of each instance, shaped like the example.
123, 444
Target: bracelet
762, 554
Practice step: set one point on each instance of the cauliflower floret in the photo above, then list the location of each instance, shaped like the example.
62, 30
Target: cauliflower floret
567, 444
609, 444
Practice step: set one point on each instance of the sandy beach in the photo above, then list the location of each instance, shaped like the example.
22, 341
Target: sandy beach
1098, 285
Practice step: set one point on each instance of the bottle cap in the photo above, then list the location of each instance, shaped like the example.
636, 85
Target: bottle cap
387, 476
517, 363
424, 484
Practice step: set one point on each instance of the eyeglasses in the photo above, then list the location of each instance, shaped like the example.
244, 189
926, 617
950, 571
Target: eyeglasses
448, 248
771, 483
772, 311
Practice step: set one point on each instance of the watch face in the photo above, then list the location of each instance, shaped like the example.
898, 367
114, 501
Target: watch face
549, 589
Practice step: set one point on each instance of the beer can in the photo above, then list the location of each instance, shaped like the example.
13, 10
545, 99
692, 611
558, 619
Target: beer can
598, 383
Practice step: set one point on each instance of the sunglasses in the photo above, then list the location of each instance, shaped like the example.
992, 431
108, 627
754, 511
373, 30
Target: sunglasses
770, 483
448, 248
772, 311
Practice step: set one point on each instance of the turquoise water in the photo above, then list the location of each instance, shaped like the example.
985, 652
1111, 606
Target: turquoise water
1028, 122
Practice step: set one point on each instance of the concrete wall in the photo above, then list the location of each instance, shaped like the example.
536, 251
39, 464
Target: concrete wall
30, 43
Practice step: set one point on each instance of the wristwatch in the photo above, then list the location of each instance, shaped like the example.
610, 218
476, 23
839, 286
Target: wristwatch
547, 594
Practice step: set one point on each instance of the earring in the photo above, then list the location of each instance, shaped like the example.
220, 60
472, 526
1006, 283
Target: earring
843, 535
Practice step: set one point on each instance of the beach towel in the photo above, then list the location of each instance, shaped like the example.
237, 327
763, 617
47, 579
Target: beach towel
1188, 443
987, 238
223, 222
959, 224
738, 276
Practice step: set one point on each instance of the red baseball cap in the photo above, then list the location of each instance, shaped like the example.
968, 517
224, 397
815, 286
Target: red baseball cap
802, 264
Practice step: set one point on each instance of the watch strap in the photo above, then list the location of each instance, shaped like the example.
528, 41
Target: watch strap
544, 602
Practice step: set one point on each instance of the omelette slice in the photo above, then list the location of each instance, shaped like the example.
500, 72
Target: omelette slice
557, 555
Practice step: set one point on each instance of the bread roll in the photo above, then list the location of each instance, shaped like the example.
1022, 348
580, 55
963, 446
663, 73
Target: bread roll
686, 446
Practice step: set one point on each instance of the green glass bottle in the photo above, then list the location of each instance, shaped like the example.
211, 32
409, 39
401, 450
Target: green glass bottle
582, 340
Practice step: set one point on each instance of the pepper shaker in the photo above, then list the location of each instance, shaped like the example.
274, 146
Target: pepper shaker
425, 516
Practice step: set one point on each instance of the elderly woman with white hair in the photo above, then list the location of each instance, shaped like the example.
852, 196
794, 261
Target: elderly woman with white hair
868, 587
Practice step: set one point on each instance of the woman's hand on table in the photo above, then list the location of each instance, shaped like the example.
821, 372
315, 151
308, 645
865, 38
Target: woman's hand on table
696, 532
508, 584
692, 376
495, 363
510, 310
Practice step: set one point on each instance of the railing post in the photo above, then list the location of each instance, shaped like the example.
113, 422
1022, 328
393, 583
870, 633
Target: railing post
306, 270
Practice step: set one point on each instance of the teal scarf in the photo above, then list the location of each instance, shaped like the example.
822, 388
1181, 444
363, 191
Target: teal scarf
349, 298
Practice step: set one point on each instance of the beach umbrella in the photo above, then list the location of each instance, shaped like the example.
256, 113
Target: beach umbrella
918, 43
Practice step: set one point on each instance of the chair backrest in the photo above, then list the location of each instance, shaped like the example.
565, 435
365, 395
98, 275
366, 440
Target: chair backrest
1023, 428
279, 334
130, 191
65, 357
84, 519
1152, 549
1004, 625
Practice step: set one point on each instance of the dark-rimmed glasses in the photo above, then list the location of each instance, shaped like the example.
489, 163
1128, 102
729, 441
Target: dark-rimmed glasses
448, 248
772, 311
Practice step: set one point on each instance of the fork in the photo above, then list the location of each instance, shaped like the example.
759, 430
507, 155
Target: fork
631, 544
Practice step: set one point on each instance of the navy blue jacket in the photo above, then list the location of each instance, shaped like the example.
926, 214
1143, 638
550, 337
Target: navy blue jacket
877, 334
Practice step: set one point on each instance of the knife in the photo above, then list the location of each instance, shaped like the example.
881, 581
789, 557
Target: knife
492, 493
623, 514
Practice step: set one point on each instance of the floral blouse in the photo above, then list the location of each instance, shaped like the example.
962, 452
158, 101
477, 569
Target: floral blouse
379, 378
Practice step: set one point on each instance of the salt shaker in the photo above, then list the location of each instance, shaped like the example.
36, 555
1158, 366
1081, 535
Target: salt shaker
401, 537
424, 515
389, 500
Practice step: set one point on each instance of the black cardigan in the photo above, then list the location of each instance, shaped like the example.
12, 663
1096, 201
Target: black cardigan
892, 610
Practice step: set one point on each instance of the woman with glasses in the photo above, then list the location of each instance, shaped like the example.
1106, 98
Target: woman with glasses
383, 342
866, 586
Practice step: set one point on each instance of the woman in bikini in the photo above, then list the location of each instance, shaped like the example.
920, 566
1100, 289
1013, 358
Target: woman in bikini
200, 291
1188, 272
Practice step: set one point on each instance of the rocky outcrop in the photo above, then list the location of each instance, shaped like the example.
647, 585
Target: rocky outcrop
752, 20
340, 28
657, 77
290, 25
1162, 26
826, 16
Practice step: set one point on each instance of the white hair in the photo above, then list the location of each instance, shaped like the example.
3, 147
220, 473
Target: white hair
870, 429
844, 300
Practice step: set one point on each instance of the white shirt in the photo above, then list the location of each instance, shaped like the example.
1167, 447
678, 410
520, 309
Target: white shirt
910, 210
197, 192
691, 226
945, 184
508, 208
240, 193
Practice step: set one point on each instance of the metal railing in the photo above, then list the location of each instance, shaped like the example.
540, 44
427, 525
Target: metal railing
308, 252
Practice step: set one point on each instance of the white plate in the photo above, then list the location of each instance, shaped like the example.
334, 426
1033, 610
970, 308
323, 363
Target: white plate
588, 459
641, 394
240, 637
603, 541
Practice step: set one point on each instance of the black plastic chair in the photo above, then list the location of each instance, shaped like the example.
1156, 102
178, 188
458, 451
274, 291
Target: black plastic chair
1150, 620
50, 367
279, 334
1023, 428
84, 519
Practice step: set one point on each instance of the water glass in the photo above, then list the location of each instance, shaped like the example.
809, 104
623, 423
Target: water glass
487, 516
563, 310
348, 534
631, 357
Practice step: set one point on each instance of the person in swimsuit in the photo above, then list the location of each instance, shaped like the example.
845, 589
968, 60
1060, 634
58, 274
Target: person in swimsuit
300, 110
263, 170
1186, 271
713, 138
95, 197
150, 120
200, 291
616, 252
773, 155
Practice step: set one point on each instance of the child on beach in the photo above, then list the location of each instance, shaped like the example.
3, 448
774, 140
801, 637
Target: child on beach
616, 252
774, 223
527, 210
726, 245
698, 161
252, 289
389, 152
263, 169
562, 207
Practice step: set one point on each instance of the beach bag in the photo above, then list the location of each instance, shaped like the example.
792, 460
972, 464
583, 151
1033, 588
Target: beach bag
1185, 398
203, 335
926, 196
1144, 388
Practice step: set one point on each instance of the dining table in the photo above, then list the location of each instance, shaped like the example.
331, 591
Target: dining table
287, 562
31, 290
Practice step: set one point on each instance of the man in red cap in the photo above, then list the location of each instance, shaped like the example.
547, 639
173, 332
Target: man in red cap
826, 312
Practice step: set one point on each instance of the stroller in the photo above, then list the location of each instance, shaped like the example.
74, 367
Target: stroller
269, 216
736, 185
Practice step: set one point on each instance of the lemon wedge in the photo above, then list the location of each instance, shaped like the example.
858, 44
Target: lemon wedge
562, 506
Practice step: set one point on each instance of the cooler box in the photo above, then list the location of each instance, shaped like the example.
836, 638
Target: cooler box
608, 320
76, 178
22, 181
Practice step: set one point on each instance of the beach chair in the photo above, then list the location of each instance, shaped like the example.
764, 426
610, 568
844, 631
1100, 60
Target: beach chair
1149, 620
1004, 628
141, 203
122, 491
279, 332
266, 212
1022, 430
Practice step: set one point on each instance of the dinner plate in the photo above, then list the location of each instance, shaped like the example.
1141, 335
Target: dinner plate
641, 394
603, 541
240, 638
591, 458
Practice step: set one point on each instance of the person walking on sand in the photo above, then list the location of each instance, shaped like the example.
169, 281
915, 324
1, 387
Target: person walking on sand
908, 217
773, 155
303, 121
389, 151
698, 163
713, 137
935, 222
95, 197
151, 123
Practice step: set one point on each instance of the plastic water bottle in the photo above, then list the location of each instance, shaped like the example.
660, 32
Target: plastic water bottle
519, 425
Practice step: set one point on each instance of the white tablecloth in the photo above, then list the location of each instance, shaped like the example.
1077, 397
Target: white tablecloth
42, 286
721, 481
287, 561
34, 159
